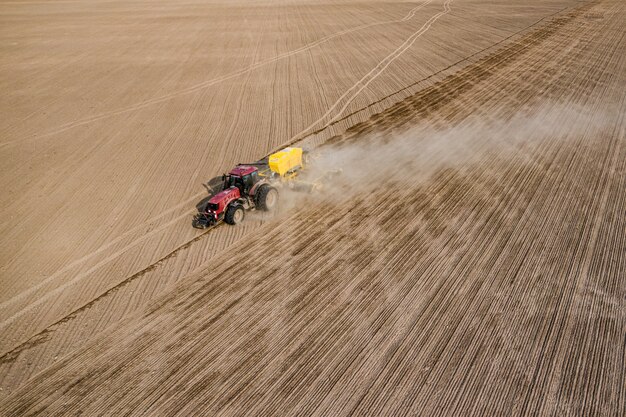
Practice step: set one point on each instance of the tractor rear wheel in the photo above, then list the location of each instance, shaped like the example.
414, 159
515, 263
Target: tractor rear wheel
234, 214
266, 198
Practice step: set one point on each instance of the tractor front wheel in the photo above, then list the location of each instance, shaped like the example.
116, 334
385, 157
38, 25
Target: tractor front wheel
234, 214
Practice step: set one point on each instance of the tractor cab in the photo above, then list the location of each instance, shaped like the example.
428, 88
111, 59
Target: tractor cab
243, 177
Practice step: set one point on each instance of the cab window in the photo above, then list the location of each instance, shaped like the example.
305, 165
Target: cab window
247, 180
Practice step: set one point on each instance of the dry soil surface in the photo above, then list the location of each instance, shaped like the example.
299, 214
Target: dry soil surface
471, 259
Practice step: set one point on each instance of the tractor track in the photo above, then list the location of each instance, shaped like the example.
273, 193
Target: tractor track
430, 99
411, 86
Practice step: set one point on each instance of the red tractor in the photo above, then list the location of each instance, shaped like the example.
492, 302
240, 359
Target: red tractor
243, 189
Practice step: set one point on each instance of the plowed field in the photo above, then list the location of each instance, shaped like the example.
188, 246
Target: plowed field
470, 260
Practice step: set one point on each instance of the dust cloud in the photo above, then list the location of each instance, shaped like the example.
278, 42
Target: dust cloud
413, 156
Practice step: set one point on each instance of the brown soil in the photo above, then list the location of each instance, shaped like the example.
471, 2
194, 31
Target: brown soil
486, 279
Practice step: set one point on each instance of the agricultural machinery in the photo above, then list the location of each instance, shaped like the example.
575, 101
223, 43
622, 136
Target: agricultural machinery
255, 186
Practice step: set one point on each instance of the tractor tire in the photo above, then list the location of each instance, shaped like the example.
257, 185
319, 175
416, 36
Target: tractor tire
266, 198
234, 214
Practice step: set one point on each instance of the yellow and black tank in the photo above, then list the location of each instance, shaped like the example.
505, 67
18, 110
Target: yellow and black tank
286, 162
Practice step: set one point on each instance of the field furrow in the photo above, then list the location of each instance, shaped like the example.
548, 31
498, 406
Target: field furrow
470, 260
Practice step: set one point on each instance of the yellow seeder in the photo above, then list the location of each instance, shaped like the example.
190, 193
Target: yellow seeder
287, 162
289, 167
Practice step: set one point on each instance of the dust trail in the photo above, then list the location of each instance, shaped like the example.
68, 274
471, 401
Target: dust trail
415, 155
